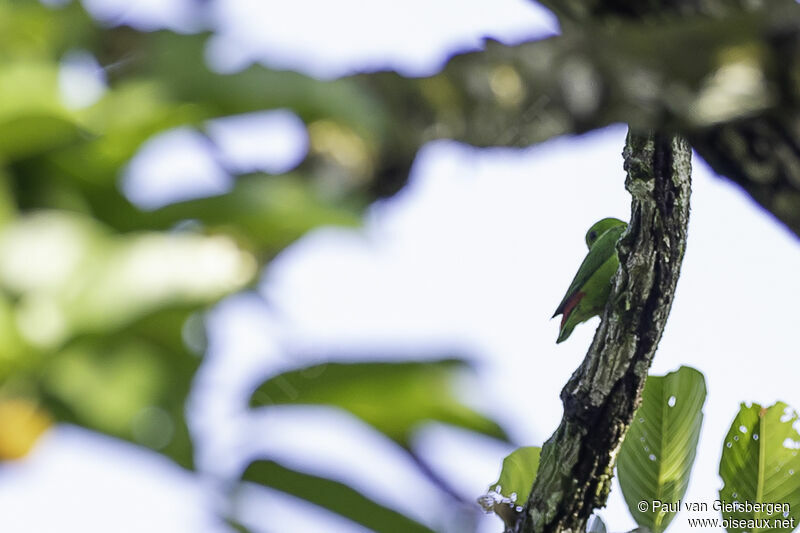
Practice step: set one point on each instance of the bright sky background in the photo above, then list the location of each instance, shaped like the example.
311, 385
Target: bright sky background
473, 255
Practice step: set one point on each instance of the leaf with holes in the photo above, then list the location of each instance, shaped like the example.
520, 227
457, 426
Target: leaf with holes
760, 464
656, 458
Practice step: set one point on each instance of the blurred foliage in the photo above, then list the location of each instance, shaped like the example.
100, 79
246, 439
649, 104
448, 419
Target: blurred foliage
98, 295
94, 292
395, 398
94, 320
334, 496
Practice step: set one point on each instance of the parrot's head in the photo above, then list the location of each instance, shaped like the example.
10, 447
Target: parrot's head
601, 227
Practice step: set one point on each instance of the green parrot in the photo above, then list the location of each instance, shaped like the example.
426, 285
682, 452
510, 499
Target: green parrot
588, 292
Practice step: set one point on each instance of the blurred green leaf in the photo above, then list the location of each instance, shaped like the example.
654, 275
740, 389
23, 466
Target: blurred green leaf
107, 383
395, 398
30, 87
129, 114
128, 387
8, 207
179, 62
100, 330
12, 348
236, 526
103, 281
32, 31
25, 30
519, 471
334, 496
93, 319
760, 465
265, 213
656, 458
270, 212
28, 135
32, 117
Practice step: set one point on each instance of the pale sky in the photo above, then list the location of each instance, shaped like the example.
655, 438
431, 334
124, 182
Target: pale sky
474, 254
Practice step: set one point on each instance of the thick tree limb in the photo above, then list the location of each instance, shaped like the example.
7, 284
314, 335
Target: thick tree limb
730, 85
577, 462
572, 12
762, 155
686, 76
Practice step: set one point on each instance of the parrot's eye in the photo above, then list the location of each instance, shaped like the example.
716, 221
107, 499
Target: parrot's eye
592, 235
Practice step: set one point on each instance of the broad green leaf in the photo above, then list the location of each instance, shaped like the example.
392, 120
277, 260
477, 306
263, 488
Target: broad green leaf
334, 496
395, 398
656, 458
760, 465
519, 471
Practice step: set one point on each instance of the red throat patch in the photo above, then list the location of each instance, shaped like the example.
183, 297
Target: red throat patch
570, 305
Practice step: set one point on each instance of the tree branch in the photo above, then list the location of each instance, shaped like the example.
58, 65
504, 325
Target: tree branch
600, 399
762, 155
739, 67
572, 12
728, 84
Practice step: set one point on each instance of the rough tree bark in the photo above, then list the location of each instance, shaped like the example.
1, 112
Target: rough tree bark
599, 400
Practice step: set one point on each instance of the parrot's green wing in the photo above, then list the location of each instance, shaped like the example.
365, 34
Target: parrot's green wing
603, 248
